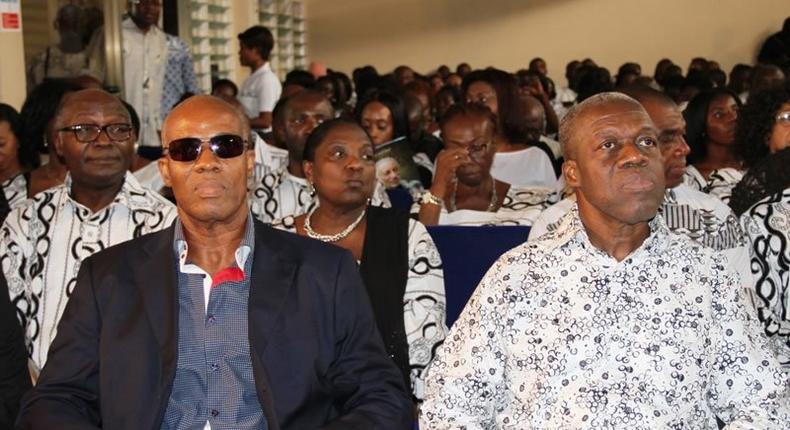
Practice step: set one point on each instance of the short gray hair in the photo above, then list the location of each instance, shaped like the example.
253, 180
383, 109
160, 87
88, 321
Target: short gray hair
570, 121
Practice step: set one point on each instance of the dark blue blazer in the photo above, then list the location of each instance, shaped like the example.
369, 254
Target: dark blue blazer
317, 357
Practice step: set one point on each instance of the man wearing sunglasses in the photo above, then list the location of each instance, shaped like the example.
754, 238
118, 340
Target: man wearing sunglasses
100, 204
218, 321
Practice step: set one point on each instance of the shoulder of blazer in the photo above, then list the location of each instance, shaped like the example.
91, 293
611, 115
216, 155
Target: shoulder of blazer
294, 248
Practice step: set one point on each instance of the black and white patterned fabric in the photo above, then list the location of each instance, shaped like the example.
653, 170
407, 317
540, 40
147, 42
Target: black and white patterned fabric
280, 194
767, 224
424, 301
700, 217
520, 206
559, 335
43, 242
719, 184
15, 190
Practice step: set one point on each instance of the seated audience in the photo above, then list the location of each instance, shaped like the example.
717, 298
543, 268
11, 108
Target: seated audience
498, 91
16, 158
382, 114
244, 326
534, 84
285, 191
447, 96
463, 191
763, 130
766, 77
713, 168
398, 260
38, 134
100, 204
766, 220
740, 80
611, 321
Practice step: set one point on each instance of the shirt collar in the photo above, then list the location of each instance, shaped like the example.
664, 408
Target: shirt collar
571, 232
126, 195
243, 252
128, 24
263, 69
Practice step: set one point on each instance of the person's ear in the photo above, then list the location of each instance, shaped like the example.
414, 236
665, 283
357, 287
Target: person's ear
570, 169
58, 143
164, 170
250, 154
307, 167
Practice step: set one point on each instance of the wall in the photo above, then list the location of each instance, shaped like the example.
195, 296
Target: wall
344, 34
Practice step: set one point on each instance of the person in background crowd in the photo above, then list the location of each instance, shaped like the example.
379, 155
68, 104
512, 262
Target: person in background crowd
763, 130
740, 80
498, 91
99, 205
463, 191
713, 168
776, 48
158, 70
67, 58
419, 103
261, 89
382, 114
538, 64
463, 69
398, 260
15, 158
38, 134
253, 328
766, 77
447, 96
403, 75
562, 333
536, 85
224, 89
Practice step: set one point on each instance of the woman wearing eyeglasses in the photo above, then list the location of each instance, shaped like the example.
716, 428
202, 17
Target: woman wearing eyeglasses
398, 260
463, 191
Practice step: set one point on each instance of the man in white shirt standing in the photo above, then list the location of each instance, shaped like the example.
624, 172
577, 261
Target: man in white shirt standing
261, 89
144, 62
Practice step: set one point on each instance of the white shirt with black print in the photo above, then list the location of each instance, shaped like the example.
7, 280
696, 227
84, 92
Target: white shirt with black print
424, 302
520, 206
767, 223
686, 211
15, 190
719, 184
559, 335
44, 241
280, 194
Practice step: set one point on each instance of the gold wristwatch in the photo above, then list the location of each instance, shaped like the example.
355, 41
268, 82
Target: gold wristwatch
429, 198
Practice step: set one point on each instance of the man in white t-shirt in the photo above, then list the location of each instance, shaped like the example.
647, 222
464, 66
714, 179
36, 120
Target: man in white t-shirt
261, 89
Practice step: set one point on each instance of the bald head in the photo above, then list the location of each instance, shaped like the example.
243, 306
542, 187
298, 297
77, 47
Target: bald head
88, 100
205, 113
578, 115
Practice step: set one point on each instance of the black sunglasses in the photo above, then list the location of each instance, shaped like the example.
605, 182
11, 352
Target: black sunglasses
189, 148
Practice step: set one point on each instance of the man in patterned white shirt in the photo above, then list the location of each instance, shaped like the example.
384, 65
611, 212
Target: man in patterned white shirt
610, 321
285, 191
701, 217
43, 242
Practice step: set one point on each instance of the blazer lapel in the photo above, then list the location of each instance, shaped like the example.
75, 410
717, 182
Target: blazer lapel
273, 275
158, 287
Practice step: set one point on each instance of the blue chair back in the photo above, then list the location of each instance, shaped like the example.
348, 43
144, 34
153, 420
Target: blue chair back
467, 254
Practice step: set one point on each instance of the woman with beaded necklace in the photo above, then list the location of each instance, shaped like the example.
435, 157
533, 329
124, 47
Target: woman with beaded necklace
398, 260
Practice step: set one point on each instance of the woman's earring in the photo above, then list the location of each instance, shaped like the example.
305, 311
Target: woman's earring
311, 189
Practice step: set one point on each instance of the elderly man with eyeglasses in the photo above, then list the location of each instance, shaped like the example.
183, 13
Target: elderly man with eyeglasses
100, 204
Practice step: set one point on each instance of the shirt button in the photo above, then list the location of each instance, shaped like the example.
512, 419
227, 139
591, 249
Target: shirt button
211, 319
214, 412
214, 367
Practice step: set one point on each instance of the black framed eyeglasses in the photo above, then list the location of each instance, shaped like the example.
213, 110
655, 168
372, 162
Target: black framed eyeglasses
88, 133
189, 148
